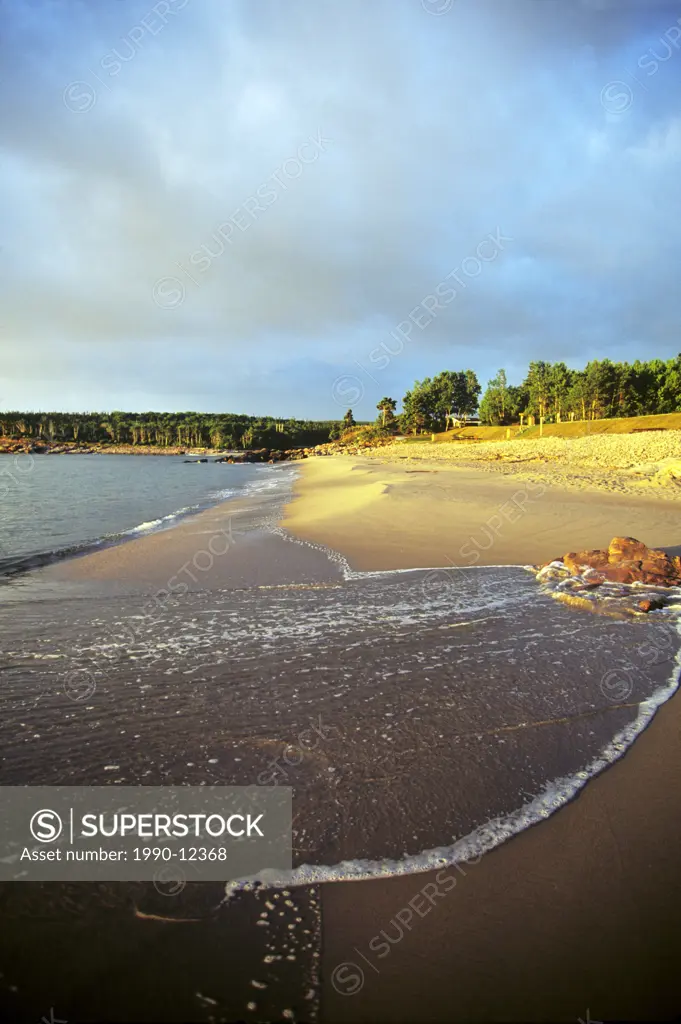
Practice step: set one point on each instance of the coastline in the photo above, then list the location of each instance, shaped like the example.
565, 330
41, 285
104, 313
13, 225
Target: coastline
155, 516
578, 912
382, 515
482, 949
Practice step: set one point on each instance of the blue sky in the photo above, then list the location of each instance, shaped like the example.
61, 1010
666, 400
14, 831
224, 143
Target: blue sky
289, 208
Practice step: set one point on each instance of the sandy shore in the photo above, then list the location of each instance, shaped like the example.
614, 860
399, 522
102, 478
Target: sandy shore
580, 912
228, 545
575, 916
385, 514
633, 465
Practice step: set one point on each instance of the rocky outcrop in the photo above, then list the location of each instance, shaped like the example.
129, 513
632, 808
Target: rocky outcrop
27, 446
626, 579
38, 446
626, 561
266, 455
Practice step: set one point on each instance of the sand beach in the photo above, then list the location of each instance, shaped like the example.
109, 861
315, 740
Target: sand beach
439, 507
576, 915
330, 599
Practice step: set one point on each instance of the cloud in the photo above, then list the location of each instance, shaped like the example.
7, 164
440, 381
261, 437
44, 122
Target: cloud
169, 239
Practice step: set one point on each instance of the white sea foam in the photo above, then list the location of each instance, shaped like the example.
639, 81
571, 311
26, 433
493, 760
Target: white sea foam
154, 524
273, 479
470, 848
467, 849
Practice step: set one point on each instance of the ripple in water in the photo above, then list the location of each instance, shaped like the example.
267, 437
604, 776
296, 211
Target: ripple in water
421, 717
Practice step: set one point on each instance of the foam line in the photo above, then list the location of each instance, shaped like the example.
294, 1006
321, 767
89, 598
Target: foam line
471, 848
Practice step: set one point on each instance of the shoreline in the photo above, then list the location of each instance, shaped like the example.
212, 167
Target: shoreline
579, 912
36, 447
19, 565
484, 950
381, 515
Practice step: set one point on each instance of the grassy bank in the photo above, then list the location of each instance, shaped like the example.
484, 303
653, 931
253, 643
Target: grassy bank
580, 428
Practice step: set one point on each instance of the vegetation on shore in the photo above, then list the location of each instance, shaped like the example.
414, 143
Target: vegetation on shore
602, 390
166, 430
550, 392
578, 428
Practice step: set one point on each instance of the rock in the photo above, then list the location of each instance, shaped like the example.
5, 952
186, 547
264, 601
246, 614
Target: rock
576, 561
626, 561
555, 571
626, 549
619, 573
606, 575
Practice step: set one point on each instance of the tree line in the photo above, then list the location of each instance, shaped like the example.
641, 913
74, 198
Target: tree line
166, 430
550, 391
432, 404
602, 390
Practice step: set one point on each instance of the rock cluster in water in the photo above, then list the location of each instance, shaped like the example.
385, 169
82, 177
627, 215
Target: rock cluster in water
34, 446
627, 579
275, 455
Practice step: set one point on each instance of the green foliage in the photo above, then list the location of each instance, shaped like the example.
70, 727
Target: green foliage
602, 390
434, 402
348, 420
502, 402
167, 429
369, 432
386, 408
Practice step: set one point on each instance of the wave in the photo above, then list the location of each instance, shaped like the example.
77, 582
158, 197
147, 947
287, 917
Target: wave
471, 848
15, 565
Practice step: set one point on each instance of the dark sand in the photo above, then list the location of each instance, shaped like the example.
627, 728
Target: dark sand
124, 951
579, 912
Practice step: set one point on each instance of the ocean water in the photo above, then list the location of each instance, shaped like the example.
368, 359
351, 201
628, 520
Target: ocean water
52, 506
421, 716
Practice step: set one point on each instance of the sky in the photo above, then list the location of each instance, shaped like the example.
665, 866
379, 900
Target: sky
290, 208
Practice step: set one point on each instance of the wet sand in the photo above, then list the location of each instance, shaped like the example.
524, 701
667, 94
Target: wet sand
580, 911
577, 914
229, 545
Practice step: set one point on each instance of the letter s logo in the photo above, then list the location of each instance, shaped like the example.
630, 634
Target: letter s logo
46, 826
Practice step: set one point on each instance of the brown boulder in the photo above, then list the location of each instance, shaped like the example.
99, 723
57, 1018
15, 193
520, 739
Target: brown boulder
619, 573
649, 604
627, 560
626, 549
577, 561
642, 564
660, 565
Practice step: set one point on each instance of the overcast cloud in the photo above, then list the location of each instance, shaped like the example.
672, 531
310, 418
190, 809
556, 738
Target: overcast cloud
233, 206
